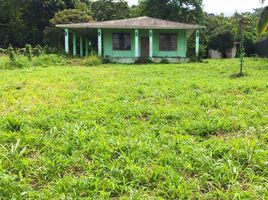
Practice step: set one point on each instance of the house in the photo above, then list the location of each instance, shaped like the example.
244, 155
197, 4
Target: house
127, 40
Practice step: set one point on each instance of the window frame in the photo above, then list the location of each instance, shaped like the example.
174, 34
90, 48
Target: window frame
124, 41
169, 47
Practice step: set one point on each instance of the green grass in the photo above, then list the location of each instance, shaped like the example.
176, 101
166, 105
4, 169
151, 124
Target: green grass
169, 131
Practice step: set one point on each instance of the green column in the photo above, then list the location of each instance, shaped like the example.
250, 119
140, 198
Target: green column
150, 43
197, 43
74, 44
81, 46
66, 31
86, 47
136, 43
99, 42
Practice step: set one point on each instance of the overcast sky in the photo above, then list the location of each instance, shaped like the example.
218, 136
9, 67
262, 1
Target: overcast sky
225, 6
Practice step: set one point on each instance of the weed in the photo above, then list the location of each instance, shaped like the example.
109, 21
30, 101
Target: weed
93, 60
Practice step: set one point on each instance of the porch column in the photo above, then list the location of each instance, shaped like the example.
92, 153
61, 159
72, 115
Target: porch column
136, 43
150, 43
66, 40
81, 46
86, 47
74, 44
99, 42
197, 44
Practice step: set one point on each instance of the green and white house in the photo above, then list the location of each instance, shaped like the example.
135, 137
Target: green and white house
127, 40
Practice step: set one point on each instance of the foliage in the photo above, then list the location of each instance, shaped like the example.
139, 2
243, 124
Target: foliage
24, 21
174, 131
103, 10
42, 60
93, 60
54, 37
11, 54
222, 42
263, 20
176, 10
216, 24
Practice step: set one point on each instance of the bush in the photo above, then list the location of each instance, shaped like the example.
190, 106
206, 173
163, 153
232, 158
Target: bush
45, 60
93, 60
42, 61
11, 54
20, 62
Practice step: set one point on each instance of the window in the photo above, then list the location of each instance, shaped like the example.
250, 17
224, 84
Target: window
167, 42
121, 41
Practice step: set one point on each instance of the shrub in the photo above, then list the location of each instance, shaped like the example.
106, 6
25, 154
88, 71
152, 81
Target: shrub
93, 60
20, 62
11, 54
38, 50
45, 60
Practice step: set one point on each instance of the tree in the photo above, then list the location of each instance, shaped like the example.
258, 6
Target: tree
176, 10
12, 25
102, 10
222, 42
263, 21
54, 36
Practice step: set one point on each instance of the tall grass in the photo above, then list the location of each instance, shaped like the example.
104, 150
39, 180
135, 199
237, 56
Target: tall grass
173, 131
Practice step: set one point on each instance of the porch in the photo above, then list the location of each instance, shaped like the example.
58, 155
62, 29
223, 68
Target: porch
120, 41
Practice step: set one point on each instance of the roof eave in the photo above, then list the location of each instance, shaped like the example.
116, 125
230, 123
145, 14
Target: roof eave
84, 26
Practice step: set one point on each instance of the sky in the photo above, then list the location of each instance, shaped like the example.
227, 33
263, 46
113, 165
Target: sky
228, 7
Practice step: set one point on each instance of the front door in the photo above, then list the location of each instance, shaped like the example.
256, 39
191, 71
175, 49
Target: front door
145, 47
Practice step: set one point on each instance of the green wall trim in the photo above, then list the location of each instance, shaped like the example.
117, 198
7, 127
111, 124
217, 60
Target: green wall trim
99, 42
81, 46
136, 43
151, 45
74, 44
66, 31
86, 47
197, 43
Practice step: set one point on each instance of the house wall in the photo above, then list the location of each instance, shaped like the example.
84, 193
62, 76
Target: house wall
108, 45
181, 44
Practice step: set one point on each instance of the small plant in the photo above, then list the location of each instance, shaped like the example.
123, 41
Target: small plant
11, 54
93, 60
38, 50
28, 48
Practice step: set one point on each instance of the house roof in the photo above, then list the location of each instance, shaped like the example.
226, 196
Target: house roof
131, 23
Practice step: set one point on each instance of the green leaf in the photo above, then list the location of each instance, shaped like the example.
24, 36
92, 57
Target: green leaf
263, 21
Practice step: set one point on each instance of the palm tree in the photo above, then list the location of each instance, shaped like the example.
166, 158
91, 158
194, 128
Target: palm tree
263, 21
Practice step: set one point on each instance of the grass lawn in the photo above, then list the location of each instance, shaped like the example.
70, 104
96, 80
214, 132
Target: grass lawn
173, 131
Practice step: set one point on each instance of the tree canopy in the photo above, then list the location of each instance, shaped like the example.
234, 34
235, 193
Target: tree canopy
32, 21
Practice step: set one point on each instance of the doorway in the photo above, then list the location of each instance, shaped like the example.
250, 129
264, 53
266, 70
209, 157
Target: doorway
144, 47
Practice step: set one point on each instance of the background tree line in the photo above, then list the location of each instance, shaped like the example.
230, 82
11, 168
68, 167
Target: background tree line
33, 21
